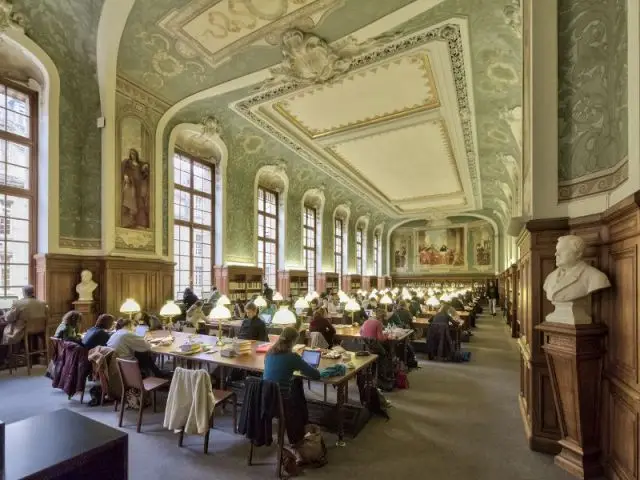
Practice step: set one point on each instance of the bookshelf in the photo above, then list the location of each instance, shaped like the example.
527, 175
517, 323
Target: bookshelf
294, 283
327, 281
239, 282
352, 283
373, 283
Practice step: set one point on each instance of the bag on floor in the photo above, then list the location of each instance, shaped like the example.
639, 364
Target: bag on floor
132, 399
312, 449
402, 380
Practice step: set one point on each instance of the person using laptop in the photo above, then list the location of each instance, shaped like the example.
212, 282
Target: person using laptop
280, 362
253, 327
129, 346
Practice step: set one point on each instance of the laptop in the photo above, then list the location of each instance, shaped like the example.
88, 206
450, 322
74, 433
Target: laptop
141, 330
266, 318
312, 357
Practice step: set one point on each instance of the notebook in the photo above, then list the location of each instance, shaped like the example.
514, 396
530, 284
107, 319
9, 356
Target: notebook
312, 357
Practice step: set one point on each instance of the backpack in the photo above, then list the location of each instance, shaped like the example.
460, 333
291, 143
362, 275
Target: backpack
132, 399
402, 380
312, 449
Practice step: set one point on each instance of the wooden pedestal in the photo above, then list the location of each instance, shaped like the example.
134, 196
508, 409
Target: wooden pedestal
575, 359
85, 307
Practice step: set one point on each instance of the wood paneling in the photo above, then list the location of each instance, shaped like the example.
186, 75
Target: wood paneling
149, 282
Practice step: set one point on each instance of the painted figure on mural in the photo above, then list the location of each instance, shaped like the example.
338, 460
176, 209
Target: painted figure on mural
135, 191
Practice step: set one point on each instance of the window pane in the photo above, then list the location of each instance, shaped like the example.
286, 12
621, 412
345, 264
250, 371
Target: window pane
182, 205
18, 124
17, 252
17, 101
17, 177
201, 210
17, 275
202, 178
182, 171
3, 119
17, 154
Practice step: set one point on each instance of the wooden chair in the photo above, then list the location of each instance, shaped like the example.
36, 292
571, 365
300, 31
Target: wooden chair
281, 431
222, 397
131, 377
33, 328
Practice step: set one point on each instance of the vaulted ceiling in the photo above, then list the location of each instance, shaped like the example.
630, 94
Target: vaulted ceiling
415, 105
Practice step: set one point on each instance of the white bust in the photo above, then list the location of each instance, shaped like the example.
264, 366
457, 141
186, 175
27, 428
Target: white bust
86, 286
569, 287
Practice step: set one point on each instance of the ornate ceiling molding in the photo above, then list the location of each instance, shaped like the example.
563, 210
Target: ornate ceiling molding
513, 16
211, 126
449, 33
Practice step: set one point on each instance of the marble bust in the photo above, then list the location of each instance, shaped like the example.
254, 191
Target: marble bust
569, 287
86, 286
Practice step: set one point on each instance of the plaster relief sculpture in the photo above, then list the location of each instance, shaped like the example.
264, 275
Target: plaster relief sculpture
210, 126
86, 286
9, 18
569, 287
308, 59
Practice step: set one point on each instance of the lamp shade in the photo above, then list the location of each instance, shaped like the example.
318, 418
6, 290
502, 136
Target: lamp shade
343, 297
284, 316
373, 296
386, 300
130, 306
433, 301
277, 297
406, 296
445, 298
170, 309
309, 297
300, 304
260, 302
352, 305
223, 300
220, 313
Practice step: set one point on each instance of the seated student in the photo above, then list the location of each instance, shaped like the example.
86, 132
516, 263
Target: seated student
373, 328
281, 362
68, 328
401, 317
253, 328
414, 306
238, 309
320, 323
456, 303
189, 298
98, 335
196, 317
150, 321
129, 346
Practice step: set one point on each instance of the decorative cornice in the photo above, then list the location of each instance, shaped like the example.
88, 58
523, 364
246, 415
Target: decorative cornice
451, 34
9, 18
210, 126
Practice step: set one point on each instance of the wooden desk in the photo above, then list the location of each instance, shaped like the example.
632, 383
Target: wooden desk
254, 362
65, 445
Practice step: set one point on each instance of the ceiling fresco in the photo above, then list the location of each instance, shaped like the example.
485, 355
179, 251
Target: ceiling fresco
179, 47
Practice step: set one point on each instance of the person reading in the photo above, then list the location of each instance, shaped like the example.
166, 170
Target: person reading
320, 323
98, 335
129, 346
68, 328
253, 328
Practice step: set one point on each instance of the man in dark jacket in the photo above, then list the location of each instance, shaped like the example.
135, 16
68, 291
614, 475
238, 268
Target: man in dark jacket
268, 293
492, 293
253, 328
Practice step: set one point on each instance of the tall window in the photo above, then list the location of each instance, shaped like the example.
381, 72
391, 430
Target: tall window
18, 183
268, 234
359, 251
310, 245
376, 254
193, 224
339, 248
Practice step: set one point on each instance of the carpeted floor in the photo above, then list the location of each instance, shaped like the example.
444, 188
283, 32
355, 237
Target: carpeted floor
457, 421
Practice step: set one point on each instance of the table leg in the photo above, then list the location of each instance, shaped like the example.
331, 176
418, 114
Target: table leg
406, 352
223, 378
340, 407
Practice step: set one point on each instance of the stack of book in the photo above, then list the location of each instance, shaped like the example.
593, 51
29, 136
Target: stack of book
242, 347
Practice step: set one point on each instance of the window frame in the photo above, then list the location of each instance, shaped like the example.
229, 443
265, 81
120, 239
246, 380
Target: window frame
191, 225
32, 192
376, 254
359, 251
265, 240
338, 264
313, 228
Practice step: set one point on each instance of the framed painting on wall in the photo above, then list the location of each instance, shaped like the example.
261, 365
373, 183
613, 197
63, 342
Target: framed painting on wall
443, 248
400, 257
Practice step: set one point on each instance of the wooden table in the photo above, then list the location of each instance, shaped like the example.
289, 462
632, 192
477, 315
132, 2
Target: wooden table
254, 362
65, 445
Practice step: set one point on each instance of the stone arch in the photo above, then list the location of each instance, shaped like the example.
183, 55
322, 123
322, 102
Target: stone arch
208, 146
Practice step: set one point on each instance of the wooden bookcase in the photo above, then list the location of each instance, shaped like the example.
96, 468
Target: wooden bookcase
293, 283
352, 283
327, 281
239, 282
373, 283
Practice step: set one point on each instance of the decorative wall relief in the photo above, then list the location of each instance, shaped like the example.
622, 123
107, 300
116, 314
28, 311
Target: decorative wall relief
592, 44
135, 186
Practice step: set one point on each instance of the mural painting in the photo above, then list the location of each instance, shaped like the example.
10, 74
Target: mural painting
134, 181
401, 252
482, 243
440, 248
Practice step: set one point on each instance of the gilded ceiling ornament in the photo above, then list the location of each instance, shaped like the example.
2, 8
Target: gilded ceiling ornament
308, 59
513, 16
9, 18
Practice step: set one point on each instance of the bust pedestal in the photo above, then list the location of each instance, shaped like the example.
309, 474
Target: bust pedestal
575, 359
85, 307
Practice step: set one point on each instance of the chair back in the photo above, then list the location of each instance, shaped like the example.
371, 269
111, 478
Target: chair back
130, 374
35, 325
190, 330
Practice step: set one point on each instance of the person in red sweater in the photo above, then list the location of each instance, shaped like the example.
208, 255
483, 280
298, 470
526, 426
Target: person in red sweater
373, 327
320, 323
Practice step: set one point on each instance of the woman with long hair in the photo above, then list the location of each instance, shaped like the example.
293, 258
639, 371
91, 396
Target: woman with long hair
68, 328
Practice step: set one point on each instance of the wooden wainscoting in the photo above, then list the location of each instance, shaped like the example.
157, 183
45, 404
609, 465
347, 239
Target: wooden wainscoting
148, 281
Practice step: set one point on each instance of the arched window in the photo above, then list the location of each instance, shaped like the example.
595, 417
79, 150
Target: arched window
310, 244
359, 250
268, 234
193, 231
18, 186
376, 254
339, 248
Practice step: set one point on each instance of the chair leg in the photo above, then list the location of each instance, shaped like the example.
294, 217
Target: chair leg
250, 459
181, 437
82, 395
27, 354
122, 405
234, 401
309, 384
115, 405
153, 401
280, 448
206, 435
140, 410
325, 393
